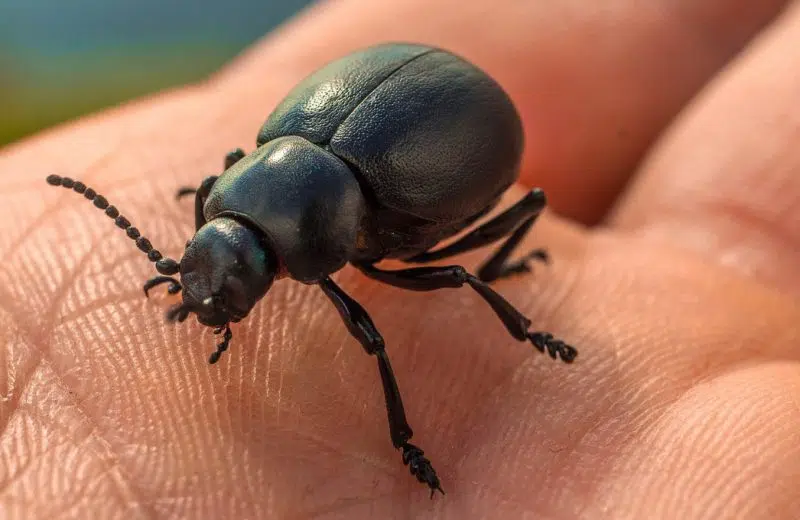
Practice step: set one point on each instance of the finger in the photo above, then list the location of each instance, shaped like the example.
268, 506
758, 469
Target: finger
148, 419
594, 85
685, 375
726, 181
114, 402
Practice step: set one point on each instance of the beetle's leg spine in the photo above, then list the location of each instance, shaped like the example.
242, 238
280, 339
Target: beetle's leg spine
165, 266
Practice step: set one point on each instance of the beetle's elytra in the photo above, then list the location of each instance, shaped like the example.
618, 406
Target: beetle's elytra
380, 154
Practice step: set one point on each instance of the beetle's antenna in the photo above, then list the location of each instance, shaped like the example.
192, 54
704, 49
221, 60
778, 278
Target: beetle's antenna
164, 265
223, 345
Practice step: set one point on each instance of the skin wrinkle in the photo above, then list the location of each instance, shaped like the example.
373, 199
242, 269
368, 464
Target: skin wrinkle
16, 350
31, 330
51, 447
112, 299
30, 228
733, 489
533, 360
57, 300
634, 371
189, 158
737, 216
13, 404
120, 481
333, 446
563, 453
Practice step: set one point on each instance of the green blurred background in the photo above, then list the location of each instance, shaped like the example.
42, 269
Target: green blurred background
63, 58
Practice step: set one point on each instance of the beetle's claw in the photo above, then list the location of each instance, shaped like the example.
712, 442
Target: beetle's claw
540, 255
523, 265
420, 467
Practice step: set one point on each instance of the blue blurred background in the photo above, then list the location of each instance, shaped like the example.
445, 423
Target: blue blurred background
63, 58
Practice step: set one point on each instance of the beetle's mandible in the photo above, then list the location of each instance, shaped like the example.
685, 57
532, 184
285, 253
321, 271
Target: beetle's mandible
380, 154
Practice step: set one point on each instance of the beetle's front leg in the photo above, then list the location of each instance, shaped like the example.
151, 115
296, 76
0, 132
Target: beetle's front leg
174, 285
363, 329
233, 157
201, 192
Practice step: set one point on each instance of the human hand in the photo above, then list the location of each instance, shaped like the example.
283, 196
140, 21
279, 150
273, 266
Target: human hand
684, 306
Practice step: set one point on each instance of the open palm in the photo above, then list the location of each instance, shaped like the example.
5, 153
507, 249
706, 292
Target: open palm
683, 302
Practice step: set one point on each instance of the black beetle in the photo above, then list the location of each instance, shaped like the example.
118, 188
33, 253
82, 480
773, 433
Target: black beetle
380, 154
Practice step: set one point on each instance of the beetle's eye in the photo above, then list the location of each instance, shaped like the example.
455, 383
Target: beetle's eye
235, 293
220, 301
234, 284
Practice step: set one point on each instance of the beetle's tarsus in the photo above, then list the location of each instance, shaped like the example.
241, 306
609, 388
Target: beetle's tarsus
544, 341
523, 265
540, 255
421, 467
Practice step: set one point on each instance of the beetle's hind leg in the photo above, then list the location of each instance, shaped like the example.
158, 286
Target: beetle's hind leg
454, 276
363, 329
516, 220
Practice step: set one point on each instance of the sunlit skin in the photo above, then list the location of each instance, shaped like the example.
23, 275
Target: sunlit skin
683, 302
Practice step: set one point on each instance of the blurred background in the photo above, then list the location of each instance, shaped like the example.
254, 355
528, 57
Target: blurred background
60, 59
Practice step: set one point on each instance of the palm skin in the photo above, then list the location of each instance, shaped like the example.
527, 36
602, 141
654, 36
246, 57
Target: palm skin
683, 302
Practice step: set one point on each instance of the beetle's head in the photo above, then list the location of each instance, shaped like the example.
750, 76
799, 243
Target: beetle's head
225, 270
226, 267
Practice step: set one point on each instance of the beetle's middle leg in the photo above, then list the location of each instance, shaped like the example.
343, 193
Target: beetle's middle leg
363, 329
454, 276
516, 220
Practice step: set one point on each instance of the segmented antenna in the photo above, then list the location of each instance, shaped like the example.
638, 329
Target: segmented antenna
165, 266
